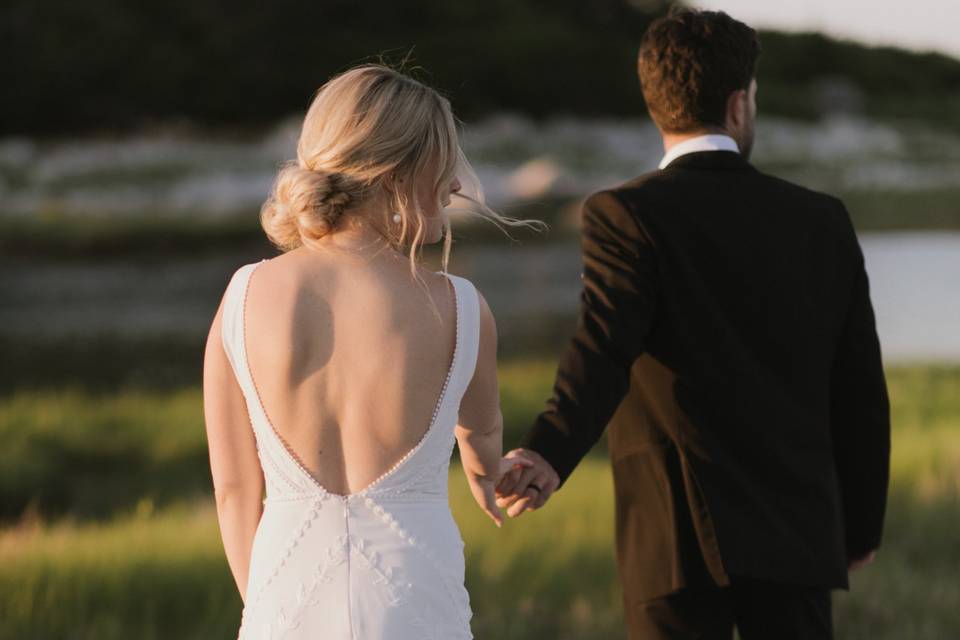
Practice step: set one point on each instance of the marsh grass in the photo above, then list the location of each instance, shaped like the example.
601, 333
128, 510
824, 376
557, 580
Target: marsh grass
156, 568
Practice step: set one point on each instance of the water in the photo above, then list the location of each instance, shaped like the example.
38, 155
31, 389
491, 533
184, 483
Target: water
914, 281
915, 288
533, 290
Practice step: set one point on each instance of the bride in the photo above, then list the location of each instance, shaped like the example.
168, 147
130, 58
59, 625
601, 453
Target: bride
339, 374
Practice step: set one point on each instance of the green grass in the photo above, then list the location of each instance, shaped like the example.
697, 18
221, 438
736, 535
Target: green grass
163, 573
118, 448
548, 574
91, 454
144, 575
925, 413
156, 568
911, 591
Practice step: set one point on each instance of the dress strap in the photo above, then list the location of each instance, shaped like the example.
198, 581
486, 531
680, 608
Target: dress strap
469, 328
232, 322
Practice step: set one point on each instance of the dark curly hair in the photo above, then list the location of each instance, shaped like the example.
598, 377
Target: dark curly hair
690, 62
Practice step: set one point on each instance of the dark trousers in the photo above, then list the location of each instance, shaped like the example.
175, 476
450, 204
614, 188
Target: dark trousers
758, 610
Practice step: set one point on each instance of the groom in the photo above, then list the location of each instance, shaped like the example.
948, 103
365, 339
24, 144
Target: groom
726, 338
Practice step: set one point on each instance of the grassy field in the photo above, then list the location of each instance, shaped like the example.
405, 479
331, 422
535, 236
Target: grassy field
116, 537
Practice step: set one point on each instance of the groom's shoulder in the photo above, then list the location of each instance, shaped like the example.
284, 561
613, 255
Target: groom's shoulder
652, 187
813, 204
659, 186
785, 187
658, 181
646, 187
649, 181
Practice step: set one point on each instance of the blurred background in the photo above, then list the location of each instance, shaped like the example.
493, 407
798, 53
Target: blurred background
138, 140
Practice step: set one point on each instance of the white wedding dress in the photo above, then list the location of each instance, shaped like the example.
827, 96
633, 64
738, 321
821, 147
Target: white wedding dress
384, 563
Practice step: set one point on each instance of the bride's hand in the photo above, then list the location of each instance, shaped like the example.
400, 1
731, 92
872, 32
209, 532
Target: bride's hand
483, 487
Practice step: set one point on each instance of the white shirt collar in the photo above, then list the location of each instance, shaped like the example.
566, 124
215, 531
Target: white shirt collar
709, 142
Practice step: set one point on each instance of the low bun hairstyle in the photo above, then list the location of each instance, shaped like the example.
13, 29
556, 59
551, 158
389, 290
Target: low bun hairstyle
368, 132
305, 205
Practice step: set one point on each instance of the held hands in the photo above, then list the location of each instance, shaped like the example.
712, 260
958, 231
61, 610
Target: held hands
483, 487
526, 486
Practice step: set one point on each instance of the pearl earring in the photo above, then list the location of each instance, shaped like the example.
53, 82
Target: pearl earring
396, 218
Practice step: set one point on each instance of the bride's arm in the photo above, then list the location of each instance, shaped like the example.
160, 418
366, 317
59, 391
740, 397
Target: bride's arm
480, 426
237, 477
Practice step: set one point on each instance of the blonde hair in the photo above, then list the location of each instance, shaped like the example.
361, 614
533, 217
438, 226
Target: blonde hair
366, 126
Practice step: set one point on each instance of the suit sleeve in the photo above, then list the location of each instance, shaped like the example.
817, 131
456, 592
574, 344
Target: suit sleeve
860, 415
617, 304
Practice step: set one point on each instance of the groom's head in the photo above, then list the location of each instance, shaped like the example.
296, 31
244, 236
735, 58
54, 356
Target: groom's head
698, 75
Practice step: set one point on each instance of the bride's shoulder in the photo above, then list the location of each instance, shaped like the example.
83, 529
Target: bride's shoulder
441, 275
271, 281
245, 269
483, 312
464, 284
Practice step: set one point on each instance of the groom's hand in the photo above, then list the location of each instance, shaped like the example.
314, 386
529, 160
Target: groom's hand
483, 487
518, 490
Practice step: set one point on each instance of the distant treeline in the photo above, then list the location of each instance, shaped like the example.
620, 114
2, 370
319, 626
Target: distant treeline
114, 64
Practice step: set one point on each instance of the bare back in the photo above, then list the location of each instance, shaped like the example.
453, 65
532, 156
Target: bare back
349, 358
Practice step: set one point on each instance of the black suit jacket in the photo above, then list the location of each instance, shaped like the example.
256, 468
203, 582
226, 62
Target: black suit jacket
727, 338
